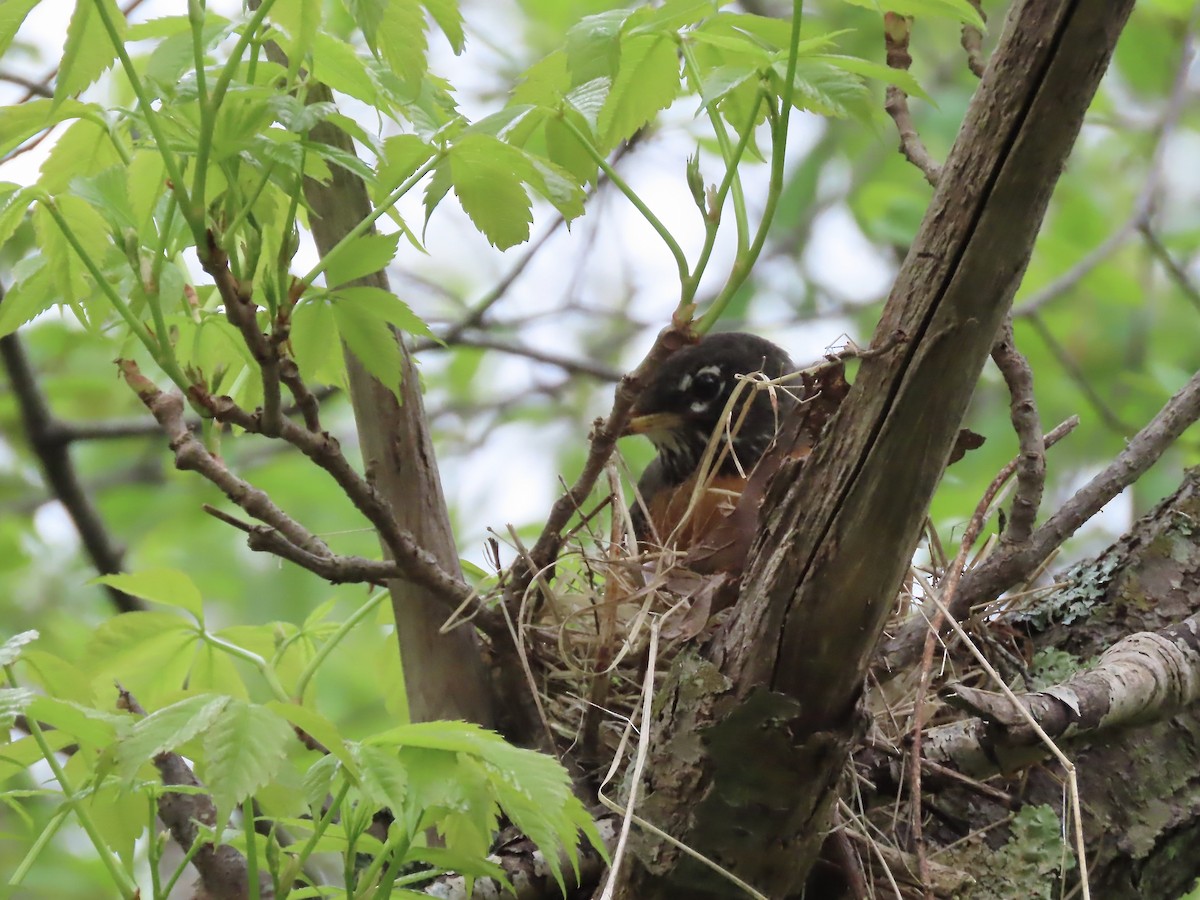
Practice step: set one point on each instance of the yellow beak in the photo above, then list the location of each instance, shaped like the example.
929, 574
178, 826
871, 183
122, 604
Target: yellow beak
651, 422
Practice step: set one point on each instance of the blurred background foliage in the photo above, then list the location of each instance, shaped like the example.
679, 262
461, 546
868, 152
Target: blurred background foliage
1108, 315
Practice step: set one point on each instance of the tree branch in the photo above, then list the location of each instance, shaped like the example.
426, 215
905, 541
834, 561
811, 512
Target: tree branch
1031, 468
1009, 566
55, 459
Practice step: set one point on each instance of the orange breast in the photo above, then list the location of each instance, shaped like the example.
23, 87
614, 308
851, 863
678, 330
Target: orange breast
683, 517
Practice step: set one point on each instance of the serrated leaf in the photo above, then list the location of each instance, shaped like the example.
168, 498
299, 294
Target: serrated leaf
10, 650
487, 175
371, 340
877, 71
21, 122
403, 154
13, 703
13, 207
34, 293
336, 64
670, 17
359, 258
244, 748
89, 50
318, 780
314, 352
647, 81
169, 587
89, 726
166, 729
594, 46
387, 306
545, 82
398, 37
108, 192
12, 14
448, 17
382, 778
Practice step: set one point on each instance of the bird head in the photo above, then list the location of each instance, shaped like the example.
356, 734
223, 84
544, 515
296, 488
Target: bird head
686, 403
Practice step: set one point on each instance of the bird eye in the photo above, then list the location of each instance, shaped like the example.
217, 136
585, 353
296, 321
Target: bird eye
706, 385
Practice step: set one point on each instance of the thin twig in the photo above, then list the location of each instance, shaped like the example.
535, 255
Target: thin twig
896, 32
1176, 272
972, 42
1011, 565
1031, 468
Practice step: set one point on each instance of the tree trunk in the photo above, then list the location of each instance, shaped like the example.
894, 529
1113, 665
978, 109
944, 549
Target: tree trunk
752, 734
444, 674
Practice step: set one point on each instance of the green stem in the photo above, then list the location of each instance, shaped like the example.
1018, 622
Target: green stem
251, 849
230, 231
40, 843
638, 204
251, 657
124, 883
182, 867
395, 839
336, 638
713, 221
160, 138
154, 850
207, 110
161, 353
361, 228
306, 851
235, 56
731, 155
779, 129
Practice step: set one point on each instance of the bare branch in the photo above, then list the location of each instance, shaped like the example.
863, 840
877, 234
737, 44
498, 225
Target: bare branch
1031, 468
1011, 565
1176, 272
896, 32
1147, 676
55, 460
972, 42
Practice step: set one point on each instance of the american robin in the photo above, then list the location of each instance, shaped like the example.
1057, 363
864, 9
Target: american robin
689, 489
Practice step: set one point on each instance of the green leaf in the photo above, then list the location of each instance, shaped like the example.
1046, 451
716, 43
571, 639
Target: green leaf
877, 71
14, 202
166, 729
57, 677
319, 728
12, 14
19, 123
89, 50
594, 45
301, 21
403, 154
10, 650
359, 258
148, 650
169, 587
13, 703
647, 81
244, 748
566, 150
88, 726
318, 357
371, 340
72, 278
336, 64
487, 174
382, 778
395, 32
448, 17
387, 306
543, 83
958, 10
33, 293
